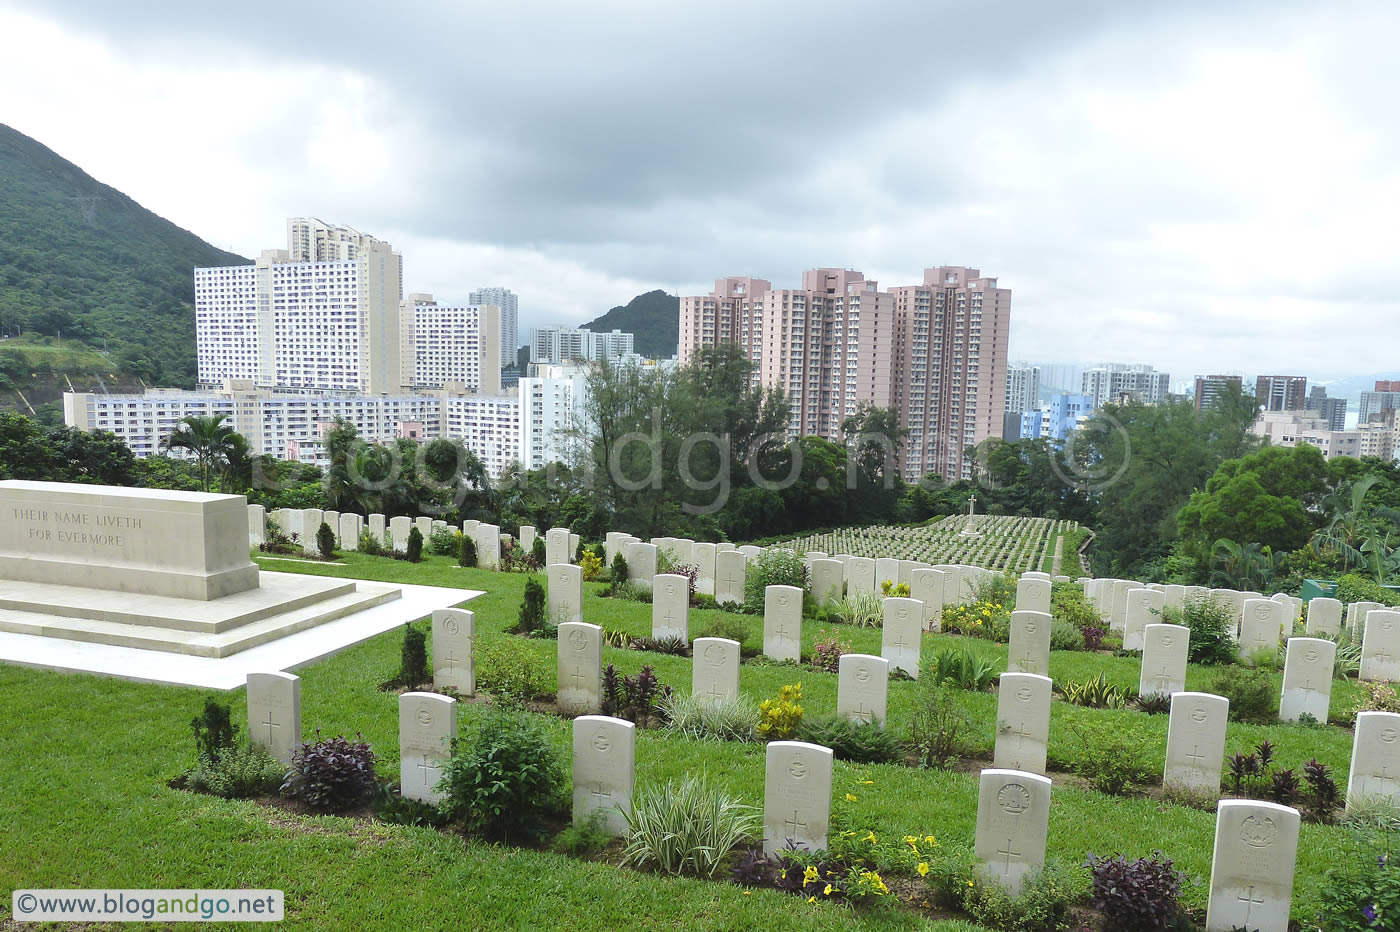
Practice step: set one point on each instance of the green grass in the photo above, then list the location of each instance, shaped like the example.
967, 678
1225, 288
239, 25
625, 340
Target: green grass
83, 801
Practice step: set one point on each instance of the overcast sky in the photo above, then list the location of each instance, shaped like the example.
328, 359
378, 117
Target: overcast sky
1198, 185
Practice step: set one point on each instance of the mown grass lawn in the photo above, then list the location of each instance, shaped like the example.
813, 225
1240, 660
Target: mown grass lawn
83, 800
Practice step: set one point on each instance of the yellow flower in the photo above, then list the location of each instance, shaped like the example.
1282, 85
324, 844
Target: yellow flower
811, 899
827, 891
930, 840
870, 837
910, 840
848, 834
923, 868
809, 875
971, 884
850, 798
748, 893
867, 783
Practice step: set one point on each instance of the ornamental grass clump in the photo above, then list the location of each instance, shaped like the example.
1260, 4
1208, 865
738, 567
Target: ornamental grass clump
686, 827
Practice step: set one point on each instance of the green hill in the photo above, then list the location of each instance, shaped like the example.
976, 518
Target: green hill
82, 261
654, 318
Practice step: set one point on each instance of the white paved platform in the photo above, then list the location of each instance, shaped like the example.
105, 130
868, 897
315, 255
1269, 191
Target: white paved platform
230, 672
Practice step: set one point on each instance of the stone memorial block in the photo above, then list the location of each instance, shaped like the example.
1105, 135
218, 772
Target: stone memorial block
969, 579
611, 543
1155, 586
860, 575
1165, 649
293, 523
902, 634
1260, 626
427, 724
1356, 617
927, 588
862, 687
952, 583
527, 541
605, 757
828, 580
684, 549
724, 545
439, 525
469, 527
704, 556
782, 623
730, 567
574, 541
351, 525
1028, 650
1307, 679
488, 546
377, 527
556, 548
750, 551
796, 796
424, 524
398, 529
332, 518
1062, 579
1324, 616
641, 564
1380, 646
454, 632
1196, 742
257, 526
580, 668
1118, 617
1033, 594
1144, 607
1036, 574
1023, 722
1375, 758
1013, 821
565, 584
1251, 871
886, 570
715, 671
274, 713
907, 568
311, 519
1173, 595
670, 606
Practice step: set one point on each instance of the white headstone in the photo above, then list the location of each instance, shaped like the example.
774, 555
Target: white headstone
670, 606
488, 546
1143, 607
860, 575
862, 687
1196, 742
886, 570
556, 547
1380, 646
605, 756
351, 525
1023, 721
398, 529
796, 796
730, 568
1251, 871
641, 564
1036, 574
332, 518
274, 713
565, 593
1165, 649
1013, 820
424, 524
684, 549
1261, 624
750, 551
1028, 650
1118, 608
580, 668
828, 578
1033, 595
902, 633
377, 527
782, 622
1307, 679
927, 588
427, 724
527, 540
311, 519
574, 541
257, 525
907, 568
715, 673
704, 556
454, 633
1375, 758
1356, 617
1173, 595
1324, 616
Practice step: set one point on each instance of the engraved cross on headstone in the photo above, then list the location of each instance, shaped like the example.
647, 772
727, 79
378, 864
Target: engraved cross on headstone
793, 824
1021, 735
270, 725
1162, 676
1027, 664
426, 765
1195, 757
1009, 852
781, 632
577, 678
598, 795
1250, 902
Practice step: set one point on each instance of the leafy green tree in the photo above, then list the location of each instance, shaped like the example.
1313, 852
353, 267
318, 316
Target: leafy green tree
209, 439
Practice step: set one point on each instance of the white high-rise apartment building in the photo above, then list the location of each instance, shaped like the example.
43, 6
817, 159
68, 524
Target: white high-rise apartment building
555, 345
1022, 389
509, 303
443, 343
552, 404
321, 315
1108, 382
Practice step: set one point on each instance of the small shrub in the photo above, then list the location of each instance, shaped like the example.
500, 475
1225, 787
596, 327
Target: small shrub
1322, 796
511, 672
466, 554
413, 657
725, 626
619, 570
1042, 905
1097, 693
1154, 703
960, 667
445, 542
997, 588
331, 774
505, 781
773, 568
674, 645
1136, 896
1068, 603
1094, 637
686, 827
1375, 697
538, 553
583, 839
779, 718
1362, 892
325, 541
1252, 694
724, 720
240, 772
592, 566
859, 742
827, 651
894, 590
1212, 625
862, 609
1109, 757
369, 544
213, 728
1065, 636
938, 726
532, 621
391, 806
988, 620
638, 699
414, 552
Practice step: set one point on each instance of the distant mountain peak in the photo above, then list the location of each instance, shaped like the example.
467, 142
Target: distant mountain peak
654, 319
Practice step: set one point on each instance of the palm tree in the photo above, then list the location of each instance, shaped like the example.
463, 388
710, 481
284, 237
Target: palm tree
208, 438
1237, 566
1350, 517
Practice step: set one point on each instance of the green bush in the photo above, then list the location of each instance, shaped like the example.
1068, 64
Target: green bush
414, 553
538, 554
858, 742
532, 621
1068, 603
213, 728
725, 626
325, 541
1362, 892
331, 774
1043, 905
862, 609
619, 570
1111, 758
773, 568
686, 828
413, 657
939, 727
444, 541
724, 720
240, 772
505, 780
1252, 694
1097, 693
997, 588
1212, 625
1065, 636
583, 839
466, 555
960, 667
370, 545
1353, 587
511, 672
